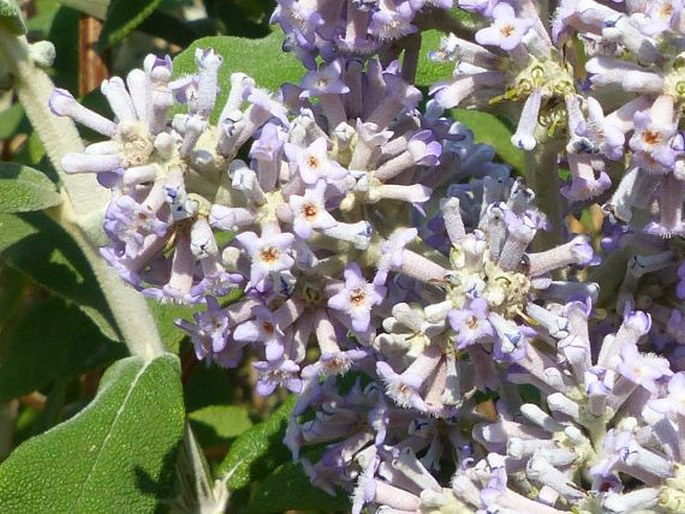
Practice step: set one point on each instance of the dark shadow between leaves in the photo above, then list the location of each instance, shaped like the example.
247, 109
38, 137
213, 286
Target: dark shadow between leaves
162, 488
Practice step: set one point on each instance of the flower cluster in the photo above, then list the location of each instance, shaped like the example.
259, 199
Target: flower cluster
362, 251
606, 79
351, 28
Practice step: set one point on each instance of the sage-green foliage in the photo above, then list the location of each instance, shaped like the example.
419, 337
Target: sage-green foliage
65, 343
258, 458
225, 421
262, 59
10, 17
288, 488
123, 16
117, 455
24, 189
35, 245
259, 450
494, 131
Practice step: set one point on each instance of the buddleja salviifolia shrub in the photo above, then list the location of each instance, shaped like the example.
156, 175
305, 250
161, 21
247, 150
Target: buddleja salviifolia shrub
391, 274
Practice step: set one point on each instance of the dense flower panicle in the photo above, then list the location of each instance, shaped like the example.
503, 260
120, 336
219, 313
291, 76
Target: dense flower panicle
370, 257
353, 28
633, 48
311, 262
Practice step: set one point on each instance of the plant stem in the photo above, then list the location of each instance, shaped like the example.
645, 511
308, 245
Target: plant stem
542, 175
83, 199
128, 306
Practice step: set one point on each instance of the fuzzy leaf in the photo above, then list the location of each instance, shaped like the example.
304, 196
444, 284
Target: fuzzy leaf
24, 189
51, 340
116, 455
262, 59
123, 16
490, 129
259, 450
95, 8
38, 247
428, 72
288, 488
165, 314
10, 17
225, 421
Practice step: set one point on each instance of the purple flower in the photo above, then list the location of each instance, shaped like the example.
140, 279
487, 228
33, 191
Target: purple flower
507, 30
392, 20
680, 290
483, 7
604, 135
310, 211
333, 363
213, 323
471, 324
357, 298
404, 388
313, 163
584, 185
269, 254
62, 103
264, 329
674, 402
651, 142
643, 370
282, 372
269, 144
392, 253
424, 148
326, 80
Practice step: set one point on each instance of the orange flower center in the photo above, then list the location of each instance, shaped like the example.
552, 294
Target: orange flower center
507, 30
309, 210
357, 297
313, 161
651, 137
269, 254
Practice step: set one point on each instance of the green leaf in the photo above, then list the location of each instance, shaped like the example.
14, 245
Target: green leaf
123, 16
64, 34
95, 8
13, 121
116, 455
259, 450
428, 72
226, 421
50, 340
10, 17
211, 385
244, 18
38, 247
262, 59
14, 294
488, 128
288, 488
165, 314
171, 29
24, 189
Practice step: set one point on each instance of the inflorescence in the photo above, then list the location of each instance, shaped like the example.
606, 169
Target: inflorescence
369, 256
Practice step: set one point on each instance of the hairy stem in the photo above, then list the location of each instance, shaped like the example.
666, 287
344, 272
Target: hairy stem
84, 200
128, 306
196, 492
